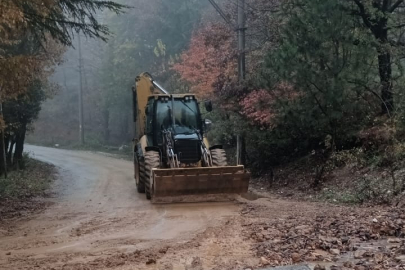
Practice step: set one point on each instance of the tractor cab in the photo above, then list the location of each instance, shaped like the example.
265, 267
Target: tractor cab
176, 118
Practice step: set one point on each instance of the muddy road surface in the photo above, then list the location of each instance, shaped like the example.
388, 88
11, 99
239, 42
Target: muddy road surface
97, 220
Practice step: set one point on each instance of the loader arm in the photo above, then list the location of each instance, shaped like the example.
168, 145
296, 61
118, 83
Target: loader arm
144, 87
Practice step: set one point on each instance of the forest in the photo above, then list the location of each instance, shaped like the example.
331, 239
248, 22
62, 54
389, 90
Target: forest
324, 78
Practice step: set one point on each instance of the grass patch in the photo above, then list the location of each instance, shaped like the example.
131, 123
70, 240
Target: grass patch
332, 195
34, 180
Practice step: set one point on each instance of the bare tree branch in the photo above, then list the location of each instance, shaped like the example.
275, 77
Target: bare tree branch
394, 6
397, 26
363, 14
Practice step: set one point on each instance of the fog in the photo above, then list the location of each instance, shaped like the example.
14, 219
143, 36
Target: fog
151, 36
109, 69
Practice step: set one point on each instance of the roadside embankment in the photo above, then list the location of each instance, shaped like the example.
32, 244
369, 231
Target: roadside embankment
21, 190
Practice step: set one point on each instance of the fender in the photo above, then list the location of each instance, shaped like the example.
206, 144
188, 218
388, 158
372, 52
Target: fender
216, 147
138, 152
156, 149
141, 146
152, 148
206, 142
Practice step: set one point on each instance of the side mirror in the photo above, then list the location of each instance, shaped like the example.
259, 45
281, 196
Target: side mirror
208, 105
207, 124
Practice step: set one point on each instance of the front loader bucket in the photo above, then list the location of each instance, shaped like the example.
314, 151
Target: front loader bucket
199, 181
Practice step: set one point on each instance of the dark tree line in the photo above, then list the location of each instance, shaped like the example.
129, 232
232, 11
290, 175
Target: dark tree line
19, 115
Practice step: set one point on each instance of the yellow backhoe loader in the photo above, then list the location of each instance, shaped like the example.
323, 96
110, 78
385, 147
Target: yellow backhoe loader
172, 156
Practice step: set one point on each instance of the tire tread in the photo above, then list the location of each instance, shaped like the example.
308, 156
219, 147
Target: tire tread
219, 158
152, 161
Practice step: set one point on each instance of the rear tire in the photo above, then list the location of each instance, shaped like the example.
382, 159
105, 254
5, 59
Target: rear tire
140, 184
152, 161
219, 158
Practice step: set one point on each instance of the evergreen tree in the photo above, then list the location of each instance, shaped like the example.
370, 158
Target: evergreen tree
324, 57
59, 18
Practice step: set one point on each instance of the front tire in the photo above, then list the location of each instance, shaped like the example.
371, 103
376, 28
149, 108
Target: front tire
152, 161
219, 158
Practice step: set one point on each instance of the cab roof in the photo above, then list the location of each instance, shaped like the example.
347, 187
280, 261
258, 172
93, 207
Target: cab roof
172, 95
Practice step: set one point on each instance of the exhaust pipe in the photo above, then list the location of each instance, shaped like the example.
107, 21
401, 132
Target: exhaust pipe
158, 86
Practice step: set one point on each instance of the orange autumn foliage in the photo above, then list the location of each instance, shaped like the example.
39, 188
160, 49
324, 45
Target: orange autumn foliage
259, 105
210, 58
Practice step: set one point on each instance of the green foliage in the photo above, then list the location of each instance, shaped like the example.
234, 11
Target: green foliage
355, 157
24, 109
324, 56
367, 189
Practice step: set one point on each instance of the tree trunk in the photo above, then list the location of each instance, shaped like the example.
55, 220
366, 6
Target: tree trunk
7, 143
380, 29
2, 168
10, 151
240, 150
19, 146
385, 69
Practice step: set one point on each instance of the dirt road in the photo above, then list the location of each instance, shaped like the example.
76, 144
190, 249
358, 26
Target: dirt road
98, 220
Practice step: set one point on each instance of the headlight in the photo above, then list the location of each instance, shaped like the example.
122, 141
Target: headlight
208, 124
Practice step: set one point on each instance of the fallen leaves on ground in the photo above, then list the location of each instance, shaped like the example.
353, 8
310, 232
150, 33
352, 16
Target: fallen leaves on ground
347, 238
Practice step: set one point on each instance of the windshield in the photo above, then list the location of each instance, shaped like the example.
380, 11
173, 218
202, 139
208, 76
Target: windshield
185, 115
